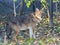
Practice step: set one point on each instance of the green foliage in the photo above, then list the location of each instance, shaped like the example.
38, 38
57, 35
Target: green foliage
55, 1
44, 4
58, 30
49, 40
41, 42
28, 2
27, 41
14, 0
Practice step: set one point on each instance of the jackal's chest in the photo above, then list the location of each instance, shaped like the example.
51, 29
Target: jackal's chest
23, 28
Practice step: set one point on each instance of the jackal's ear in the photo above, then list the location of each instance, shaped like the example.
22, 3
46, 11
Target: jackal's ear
42, 10
37, 9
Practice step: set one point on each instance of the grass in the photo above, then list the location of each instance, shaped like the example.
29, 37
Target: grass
45, 38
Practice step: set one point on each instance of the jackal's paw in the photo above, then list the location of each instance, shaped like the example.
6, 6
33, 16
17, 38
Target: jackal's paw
14, 39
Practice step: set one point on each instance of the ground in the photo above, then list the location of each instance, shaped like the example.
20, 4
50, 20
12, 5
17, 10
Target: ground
45, 35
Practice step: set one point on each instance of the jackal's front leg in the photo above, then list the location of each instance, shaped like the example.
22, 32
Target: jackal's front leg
34, 29
15, 35
31, 32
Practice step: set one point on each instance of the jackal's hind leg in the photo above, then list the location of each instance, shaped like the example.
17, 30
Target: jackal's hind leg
34, 28
31, 32
15, 35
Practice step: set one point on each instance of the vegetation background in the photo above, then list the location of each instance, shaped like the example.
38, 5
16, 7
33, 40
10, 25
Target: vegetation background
46, 33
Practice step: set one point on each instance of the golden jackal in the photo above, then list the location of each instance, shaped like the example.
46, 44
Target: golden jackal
26, 21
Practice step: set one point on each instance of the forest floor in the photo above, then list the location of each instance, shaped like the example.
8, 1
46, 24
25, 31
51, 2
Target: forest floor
45, 35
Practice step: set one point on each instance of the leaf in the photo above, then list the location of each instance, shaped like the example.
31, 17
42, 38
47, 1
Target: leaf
50, 40
41, 42
55, 0
58, 30
25, 1
44, 4
28, 4
14, 0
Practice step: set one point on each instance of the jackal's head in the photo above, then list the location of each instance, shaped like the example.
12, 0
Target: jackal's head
38, 14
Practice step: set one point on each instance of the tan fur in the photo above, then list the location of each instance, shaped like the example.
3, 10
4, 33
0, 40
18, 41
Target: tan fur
26, 22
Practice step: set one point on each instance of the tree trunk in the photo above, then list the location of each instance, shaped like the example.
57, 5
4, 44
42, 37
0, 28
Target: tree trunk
57, 10
14, 9
51, 13
48, 15
51, 18
21, 7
